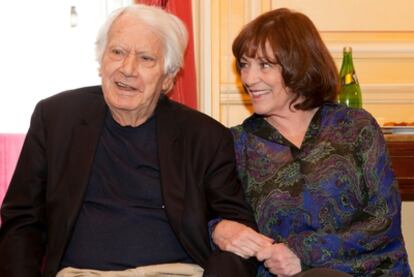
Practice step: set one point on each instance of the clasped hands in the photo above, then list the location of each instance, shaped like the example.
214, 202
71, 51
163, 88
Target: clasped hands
244, 241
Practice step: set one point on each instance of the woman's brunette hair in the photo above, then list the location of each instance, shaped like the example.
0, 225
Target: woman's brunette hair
307, 66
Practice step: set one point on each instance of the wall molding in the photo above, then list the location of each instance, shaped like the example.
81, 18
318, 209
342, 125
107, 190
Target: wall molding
401, 94
374, 50
388, 93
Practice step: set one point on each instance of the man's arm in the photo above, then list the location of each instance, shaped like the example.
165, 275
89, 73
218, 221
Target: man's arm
23, 229
226, 200
226, 264
224, 192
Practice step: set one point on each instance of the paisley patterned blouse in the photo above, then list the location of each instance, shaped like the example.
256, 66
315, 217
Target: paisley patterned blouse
335, 201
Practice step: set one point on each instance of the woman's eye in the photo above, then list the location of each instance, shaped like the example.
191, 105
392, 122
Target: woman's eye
265, 65
243, 64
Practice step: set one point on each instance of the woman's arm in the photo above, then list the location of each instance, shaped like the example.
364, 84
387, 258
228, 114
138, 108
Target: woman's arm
245, 242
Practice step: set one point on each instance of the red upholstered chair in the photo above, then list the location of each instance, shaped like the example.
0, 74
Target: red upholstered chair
10, 147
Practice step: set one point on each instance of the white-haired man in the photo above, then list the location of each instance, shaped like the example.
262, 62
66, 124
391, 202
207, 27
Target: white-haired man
117, 180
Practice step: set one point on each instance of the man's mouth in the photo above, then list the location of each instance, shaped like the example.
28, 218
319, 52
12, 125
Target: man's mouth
124, 86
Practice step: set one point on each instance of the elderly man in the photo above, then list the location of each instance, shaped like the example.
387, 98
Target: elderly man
118, 180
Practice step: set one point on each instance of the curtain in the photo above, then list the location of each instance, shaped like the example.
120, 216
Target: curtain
185, 89
10, 146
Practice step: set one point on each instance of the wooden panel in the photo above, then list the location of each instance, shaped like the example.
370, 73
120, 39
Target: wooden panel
355, 15
401, 149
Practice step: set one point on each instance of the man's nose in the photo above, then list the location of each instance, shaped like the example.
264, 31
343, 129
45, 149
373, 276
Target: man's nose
129, 65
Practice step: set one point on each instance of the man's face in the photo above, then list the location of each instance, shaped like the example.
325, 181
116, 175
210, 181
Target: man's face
132, 71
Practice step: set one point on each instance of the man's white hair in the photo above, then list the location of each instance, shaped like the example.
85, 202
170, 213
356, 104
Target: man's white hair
168, 27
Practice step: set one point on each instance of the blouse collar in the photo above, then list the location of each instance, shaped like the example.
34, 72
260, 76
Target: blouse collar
258, 126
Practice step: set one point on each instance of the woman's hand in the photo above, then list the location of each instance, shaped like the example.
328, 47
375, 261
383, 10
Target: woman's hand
238, 238
280, 260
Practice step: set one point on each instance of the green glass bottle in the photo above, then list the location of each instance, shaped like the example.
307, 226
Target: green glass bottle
350, 92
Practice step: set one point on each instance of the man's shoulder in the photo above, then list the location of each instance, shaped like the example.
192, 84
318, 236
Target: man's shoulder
191, 117
77, 94
71, 104
73, 100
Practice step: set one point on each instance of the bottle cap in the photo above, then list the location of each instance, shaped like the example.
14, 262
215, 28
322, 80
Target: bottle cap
347, 49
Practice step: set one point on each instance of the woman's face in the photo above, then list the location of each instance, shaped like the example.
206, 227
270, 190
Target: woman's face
264, 83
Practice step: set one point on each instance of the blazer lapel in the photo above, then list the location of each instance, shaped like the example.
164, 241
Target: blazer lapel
81, 156
172, 179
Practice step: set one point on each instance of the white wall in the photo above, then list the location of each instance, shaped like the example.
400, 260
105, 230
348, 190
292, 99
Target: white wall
407, 229
41, 54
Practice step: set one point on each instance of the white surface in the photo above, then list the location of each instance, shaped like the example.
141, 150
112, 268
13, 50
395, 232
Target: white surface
408, 229
398, 129
42, 55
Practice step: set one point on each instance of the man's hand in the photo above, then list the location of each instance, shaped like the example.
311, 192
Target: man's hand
237, 238
280, 260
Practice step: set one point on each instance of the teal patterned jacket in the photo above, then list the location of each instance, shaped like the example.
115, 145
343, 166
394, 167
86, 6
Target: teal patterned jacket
335, 201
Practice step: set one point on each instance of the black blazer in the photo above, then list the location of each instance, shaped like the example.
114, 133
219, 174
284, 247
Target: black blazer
198, 182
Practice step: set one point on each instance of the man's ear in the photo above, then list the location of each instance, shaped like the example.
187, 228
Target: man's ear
168, 82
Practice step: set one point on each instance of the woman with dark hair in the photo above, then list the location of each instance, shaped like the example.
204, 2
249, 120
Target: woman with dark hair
316, 173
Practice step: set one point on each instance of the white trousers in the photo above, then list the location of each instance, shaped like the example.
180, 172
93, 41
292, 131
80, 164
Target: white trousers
158, 270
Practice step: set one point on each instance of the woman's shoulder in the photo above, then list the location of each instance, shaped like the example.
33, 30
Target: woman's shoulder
238, 133
245, 127
237, 129
340, 114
